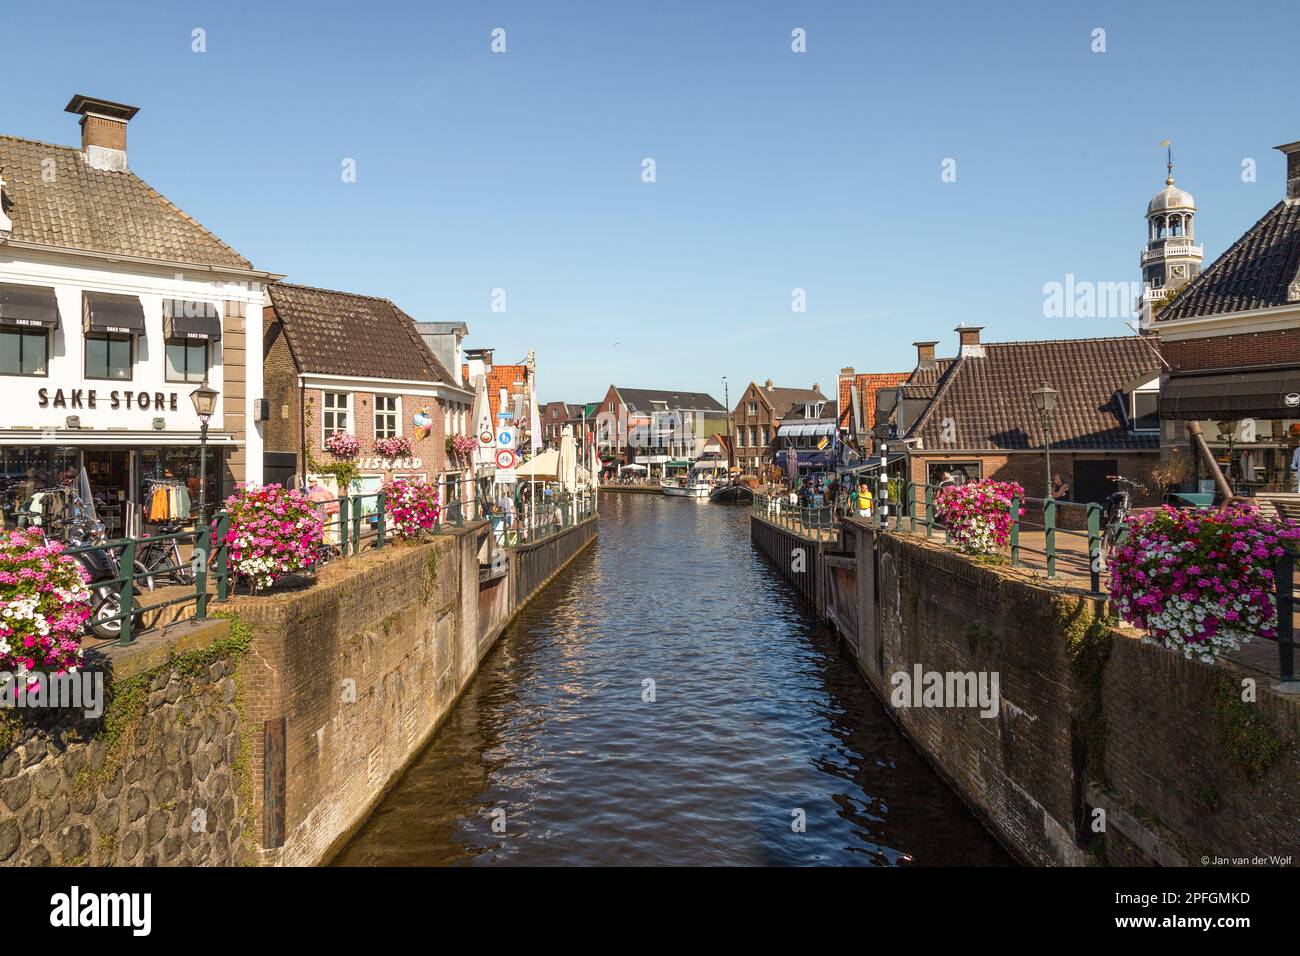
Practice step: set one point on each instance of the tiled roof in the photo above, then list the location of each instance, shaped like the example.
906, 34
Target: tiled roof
925, 379
340, 333
986, 397
1253, 274
868, 383
640, 399
513, 378
72, 205
782, 399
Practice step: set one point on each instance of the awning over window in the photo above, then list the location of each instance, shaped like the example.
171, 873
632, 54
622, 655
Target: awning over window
1266, 393
809, 428
105, 312
186, 319
33, 306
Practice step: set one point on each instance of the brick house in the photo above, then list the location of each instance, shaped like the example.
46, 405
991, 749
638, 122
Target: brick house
508, 388
653, 427
1232, 341
858, 395
757, 418
336, 361
980, 421
554, 416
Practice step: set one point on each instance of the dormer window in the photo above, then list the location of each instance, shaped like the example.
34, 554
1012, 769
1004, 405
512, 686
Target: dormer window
1144, 407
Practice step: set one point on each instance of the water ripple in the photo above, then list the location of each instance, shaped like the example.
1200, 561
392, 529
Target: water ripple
757, 716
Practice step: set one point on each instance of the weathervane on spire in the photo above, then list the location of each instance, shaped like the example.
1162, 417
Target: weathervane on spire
1169, 161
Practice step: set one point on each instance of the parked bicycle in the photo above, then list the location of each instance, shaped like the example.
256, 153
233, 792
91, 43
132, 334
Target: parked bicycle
103, 565
161, 557
1114, 515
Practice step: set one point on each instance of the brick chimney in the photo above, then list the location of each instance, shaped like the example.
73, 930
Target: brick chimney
1292, 153
103, 130
925, 354
969, 336
768, 384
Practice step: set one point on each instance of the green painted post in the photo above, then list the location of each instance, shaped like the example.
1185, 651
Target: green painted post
1049, 535
223, 556
203, 543
929, 509
911, 505
127, 592
1015, 531
1094, 546
381, 505
356, 524
343, 525
460, 512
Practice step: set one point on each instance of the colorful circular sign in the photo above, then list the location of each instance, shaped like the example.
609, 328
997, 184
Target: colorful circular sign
505, 458
485, 436
505, 438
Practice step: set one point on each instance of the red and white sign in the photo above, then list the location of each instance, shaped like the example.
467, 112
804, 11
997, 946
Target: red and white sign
505, 458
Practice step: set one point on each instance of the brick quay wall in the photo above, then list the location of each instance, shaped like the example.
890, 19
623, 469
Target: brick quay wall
1103, 748
267, 736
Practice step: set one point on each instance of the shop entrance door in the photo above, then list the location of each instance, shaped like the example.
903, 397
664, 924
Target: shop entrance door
109, 470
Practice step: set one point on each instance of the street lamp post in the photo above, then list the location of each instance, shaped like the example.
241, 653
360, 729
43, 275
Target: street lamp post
1044, 399
205, 403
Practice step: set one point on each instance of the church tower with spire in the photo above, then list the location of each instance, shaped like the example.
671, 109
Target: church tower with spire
1171, 258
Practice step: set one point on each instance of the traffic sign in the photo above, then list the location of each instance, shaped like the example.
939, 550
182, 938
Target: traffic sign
505, 458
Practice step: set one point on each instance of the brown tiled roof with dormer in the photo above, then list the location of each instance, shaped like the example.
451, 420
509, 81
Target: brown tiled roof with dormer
342, 333
55, 198
983, 402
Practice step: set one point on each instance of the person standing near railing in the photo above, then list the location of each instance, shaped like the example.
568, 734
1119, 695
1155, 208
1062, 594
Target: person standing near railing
866, 501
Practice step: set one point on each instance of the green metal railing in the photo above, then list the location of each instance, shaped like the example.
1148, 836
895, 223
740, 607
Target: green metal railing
917, 511
811, 521
352, 524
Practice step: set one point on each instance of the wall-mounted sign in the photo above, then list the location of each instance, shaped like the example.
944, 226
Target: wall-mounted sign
398, 464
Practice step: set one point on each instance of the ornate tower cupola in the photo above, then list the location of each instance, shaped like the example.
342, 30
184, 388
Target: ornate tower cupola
1171, 258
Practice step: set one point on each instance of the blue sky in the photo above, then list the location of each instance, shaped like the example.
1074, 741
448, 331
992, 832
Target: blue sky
775, 170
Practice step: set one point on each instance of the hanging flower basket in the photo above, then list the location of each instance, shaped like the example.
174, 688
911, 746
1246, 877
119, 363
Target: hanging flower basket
978, 514
273, 532
412, 507
1200, 581
44, 601
342, 445
397, 447
461, 446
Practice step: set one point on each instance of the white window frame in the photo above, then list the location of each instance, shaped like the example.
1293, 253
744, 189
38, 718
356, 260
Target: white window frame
1151, 387
396, 413
347, 408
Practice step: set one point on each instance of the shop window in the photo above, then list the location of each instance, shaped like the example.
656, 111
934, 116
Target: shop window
109, 355
386, 416
187, 361
335, 413
24, 351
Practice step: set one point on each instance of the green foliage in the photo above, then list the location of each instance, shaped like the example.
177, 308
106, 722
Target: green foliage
1088, 639
1249, 742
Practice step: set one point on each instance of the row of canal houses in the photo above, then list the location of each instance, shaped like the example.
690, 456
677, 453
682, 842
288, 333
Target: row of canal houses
1217, 350
115, 306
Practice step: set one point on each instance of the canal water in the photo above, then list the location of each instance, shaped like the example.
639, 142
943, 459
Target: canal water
756, 743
